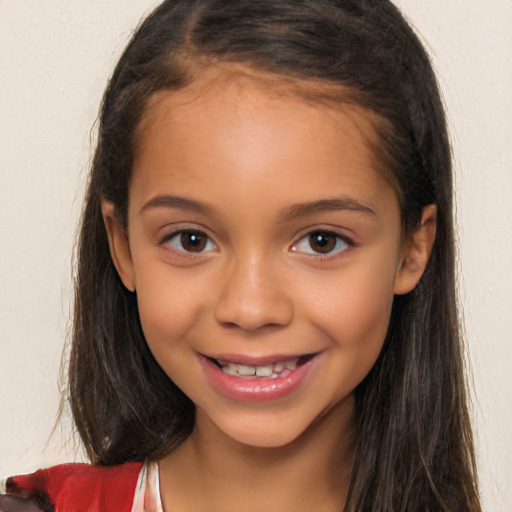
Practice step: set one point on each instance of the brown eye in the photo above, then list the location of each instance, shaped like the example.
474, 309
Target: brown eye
322, 241
191, 241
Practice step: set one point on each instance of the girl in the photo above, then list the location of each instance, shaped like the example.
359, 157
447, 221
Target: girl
265, 313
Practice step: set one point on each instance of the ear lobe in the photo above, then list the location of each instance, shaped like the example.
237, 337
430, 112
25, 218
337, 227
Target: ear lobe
417, 252
119, 247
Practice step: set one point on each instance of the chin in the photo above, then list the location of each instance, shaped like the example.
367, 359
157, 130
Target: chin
261, 433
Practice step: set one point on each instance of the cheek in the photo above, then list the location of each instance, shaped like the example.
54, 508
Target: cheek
355, 313
355, 320
166, 318
168, 308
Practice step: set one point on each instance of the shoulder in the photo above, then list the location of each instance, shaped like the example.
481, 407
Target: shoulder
79, 487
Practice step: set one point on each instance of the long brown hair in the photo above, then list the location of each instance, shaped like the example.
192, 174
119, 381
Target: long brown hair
415, 449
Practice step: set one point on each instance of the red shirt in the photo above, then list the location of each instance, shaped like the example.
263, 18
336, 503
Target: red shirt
78, 488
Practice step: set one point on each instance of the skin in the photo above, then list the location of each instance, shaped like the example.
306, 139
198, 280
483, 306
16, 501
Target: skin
258, 287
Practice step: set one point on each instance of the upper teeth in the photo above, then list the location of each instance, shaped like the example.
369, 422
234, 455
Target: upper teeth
273, 370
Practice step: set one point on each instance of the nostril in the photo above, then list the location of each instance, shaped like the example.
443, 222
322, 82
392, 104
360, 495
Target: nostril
253, 327
234, 325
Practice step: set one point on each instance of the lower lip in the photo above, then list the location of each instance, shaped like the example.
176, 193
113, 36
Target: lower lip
257, 389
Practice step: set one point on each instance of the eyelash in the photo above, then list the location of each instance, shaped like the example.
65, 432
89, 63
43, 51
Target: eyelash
307, 238
330, 253
167, 239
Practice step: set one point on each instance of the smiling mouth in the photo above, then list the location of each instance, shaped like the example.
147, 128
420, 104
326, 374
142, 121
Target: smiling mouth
267, 371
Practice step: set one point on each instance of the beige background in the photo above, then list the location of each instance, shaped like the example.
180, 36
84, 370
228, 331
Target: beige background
55, 56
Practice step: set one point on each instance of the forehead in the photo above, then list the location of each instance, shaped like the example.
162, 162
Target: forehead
243, 132
244, 90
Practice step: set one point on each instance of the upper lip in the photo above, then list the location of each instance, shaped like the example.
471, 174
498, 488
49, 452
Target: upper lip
258, 361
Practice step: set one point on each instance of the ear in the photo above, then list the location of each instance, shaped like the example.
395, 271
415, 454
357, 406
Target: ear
417, 252
119, 247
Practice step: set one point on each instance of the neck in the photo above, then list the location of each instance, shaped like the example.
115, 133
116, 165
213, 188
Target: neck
213, 472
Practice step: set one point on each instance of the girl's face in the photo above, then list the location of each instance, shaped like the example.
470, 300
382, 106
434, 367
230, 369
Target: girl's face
265, 250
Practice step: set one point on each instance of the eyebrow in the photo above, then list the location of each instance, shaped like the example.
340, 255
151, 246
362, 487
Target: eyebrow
291, 212
181, 203
326, 205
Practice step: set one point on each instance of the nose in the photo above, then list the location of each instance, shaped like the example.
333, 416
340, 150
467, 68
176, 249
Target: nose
253, 296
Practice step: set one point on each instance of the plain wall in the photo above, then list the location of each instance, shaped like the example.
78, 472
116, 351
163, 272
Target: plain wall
55, 57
